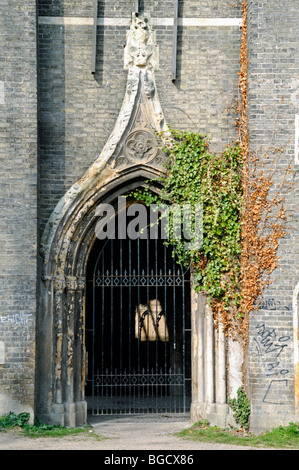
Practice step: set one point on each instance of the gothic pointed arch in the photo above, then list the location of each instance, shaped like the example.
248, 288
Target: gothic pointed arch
131, 156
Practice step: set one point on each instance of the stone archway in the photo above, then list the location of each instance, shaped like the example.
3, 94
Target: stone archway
130, 157
61, 342
61, 339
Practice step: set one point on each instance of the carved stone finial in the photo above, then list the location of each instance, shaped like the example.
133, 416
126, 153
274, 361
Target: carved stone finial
138, 145
141, 50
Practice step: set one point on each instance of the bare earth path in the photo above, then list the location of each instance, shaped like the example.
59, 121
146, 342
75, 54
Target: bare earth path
139, 433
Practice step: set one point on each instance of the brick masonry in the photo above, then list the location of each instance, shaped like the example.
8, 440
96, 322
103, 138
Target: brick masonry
273, 104
51, 98
78, 110
18, 195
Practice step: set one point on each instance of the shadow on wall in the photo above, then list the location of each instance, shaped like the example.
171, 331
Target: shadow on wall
51, 115
99, 52
177, 82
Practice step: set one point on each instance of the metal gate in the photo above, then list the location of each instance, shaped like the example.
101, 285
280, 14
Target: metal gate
140, 331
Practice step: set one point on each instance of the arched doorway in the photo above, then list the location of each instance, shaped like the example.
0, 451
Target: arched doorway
138, 326
65, 322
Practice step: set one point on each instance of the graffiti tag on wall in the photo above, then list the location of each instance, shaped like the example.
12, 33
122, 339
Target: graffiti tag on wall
270, 346
20, 318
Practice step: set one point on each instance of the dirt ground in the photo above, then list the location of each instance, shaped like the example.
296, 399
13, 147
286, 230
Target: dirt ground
139, 433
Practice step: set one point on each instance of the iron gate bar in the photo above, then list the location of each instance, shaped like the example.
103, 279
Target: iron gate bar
103, 316
147, 302
138, 305
184, 345
121, 312
127, 379
156, 269
174, 327
141, 380
130, 302
165, 306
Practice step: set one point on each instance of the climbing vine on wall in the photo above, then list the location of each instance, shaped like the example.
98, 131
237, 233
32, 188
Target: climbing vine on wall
263, 219
243, 217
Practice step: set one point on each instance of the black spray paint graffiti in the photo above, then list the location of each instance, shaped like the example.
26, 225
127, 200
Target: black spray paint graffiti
274, 304
270, 345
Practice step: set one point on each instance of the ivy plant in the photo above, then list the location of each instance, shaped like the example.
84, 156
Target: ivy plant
241, 407
195, 176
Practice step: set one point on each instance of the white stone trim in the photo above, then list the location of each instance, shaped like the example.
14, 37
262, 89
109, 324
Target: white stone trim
65, 21
2, 353
2, 93
77, 21
297, 139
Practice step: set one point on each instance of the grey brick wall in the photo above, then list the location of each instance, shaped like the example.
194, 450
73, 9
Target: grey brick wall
273, 103
122, 8
18, 196
78, 110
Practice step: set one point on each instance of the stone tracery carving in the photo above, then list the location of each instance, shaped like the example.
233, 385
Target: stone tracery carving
140, 146
141, 57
